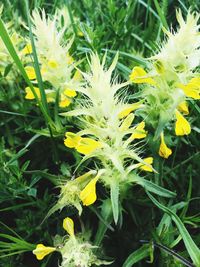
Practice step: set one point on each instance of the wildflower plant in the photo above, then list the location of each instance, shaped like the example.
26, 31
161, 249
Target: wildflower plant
107, 122
75, 250
97, 161
172, 79
56, 68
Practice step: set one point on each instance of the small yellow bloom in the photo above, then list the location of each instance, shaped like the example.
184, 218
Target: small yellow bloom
30, 71
128, 109
81, 144
164, 151
183, 107
87, 146
64, 102
88, 194
144, 167
182, 126
71, 140
139, 75
139, 131
29, 94
41, 251
53, 64
70, 92
192, 89
68, 225
27, 50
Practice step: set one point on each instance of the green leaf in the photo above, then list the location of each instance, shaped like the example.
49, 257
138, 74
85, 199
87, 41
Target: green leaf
136, 256
191, 247
154, 188
114, 195
161, 14
106, 213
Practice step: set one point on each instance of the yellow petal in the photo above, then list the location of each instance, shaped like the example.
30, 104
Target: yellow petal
71, 140
64, 103
139, 131
139, 75
27, 49
164, 151
128, 109
87, 146
30, 71
77, 76
183, 107
192, 89
29, 94
53, 64
182, 126
88, 194
144, 167
70, 92
41, 251
68, 225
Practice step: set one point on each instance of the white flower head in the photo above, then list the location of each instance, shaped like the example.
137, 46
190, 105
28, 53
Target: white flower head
181, 50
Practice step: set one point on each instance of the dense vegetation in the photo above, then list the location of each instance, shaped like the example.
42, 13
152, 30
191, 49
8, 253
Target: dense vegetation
99, 132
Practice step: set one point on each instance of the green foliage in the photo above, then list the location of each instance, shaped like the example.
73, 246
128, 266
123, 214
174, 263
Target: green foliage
34, 161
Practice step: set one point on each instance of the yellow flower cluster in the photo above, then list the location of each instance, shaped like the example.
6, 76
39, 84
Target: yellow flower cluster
74, 251
56, 68
108, 125
172, 80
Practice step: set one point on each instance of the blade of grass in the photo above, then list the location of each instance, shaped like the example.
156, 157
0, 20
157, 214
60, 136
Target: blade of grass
191, 247
161, 15
36, 62
136, 256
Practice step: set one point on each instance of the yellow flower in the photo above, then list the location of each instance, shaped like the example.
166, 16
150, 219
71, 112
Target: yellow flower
70, 92
87, 146
53, 64
192, 89
139, 75
139, 131
68, 225
182, 126
82, 145
41, 251
88, 194
29, 94
71, 140
164, 151
64, 103
183, 107
27, 50
144, 167
128, 109
30, 71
